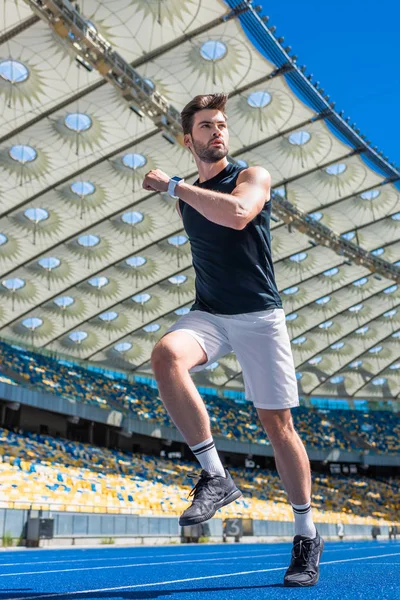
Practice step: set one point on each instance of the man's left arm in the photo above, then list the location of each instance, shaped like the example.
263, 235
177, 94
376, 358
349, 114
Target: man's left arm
233, 210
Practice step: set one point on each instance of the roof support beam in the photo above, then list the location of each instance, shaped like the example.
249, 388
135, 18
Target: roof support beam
108, 308
19, 28
75, 283
376, 375
355, 357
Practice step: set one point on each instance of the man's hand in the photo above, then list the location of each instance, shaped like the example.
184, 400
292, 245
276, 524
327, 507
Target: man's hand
156, 181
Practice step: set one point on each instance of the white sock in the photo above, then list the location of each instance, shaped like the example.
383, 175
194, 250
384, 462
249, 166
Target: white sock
207, 455
303, 522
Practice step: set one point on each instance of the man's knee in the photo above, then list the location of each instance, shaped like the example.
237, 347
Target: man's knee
165, 354
278, 425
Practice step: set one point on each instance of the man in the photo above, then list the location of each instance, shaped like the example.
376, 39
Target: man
226, 214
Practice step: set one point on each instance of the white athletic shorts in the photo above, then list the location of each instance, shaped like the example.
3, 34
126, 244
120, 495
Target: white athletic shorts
261, 343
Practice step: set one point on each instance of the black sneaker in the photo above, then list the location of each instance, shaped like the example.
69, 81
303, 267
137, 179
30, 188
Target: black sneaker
210, 493
304, 567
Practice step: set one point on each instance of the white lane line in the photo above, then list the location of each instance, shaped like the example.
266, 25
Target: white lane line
75, 560
143, 585
144, 556
146, 564
151, 564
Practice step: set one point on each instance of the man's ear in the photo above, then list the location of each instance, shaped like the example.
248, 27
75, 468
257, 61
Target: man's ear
187, 140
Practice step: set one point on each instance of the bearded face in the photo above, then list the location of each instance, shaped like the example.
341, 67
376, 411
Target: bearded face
210, 137
211, 152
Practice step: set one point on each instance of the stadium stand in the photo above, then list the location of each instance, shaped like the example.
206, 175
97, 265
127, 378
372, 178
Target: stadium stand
343, 429
40, 472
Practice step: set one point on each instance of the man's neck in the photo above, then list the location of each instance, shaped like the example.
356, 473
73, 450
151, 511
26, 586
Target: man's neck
209, 170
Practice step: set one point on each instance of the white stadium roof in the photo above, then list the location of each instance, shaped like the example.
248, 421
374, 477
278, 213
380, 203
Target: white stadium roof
95, 267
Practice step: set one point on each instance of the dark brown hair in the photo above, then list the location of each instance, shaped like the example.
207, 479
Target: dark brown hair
202, 102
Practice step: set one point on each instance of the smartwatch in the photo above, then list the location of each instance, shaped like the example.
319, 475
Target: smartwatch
173, 182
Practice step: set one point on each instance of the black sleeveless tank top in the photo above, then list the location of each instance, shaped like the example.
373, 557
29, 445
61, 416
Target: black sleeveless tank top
234, 270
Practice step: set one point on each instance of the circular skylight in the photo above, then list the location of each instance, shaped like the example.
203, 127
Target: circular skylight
337, 346
315, 360
134, 161
396, 217
83, 188
213, 366
177, 240
391, 289
390, 313
132, 218
396, 334
331, 272
108, 316
379, 381
355, 364
395, 367
182, 311
291, 290
323, 300
348, 236
356, 308
36, 214
362, 330
3, 239
299, 257
141, 298
23, 154
13, 71
325, 325
370, 195
91, 26
152, 328
49, 263
336, 169
291, 317
259, 99
13, 284
135, 261
123, 347
299, 138
98, 282
32, 323
78, 336
316, 216
280, 191
150, 83
88, 241
213, 50
378, 251
300, 340
177, 279
78, 122
242, 163
64, 301
337, 379
375, 349
360, 282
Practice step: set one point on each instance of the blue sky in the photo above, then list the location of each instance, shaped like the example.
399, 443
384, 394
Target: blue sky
350, 47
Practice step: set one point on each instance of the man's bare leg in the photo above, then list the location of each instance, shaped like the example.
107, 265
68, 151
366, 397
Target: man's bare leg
292, 464
172, 358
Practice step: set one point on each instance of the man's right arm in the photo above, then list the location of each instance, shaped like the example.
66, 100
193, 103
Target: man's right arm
178, 209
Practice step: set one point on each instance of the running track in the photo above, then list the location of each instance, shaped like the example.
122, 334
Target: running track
349, 570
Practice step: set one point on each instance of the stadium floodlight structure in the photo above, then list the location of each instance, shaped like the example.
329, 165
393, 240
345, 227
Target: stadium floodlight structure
93, 51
